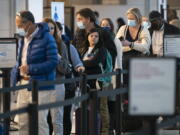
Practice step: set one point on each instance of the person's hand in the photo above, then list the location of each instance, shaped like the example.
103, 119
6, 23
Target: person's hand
80, 69
24, 69
138, 41
88, 58
126, 43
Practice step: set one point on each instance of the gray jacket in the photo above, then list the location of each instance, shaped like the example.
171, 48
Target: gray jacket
76, 61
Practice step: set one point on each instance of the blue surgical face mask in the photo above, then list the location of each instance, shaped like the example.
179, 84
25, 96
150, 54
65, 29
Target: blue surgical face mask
80, 25
131, 23
146, 24
21, 32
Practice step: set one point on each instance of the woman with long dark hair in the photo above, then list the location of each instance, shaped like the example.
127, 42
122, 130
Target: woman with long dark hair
96, 59
93, 54
59, 92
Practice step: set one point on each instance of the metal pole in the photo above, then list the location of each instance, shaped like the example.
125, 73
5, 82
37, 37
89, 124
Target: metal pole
84, 120
152, 124
93, 120
6, 98
118, 105
33, 110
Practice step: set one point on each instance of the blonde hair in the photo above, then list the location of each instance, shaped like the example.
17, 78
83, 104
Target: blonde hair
136, 12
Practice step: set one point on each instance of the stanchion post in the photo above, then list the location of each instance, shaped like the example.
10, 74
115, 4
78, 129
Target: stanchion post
93, 122
6, 98
84, 120
118, 105
33, 110
150, 127
153, 129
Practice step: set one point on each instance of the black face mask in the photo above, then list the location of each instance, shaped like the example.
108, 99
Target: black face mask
155, 26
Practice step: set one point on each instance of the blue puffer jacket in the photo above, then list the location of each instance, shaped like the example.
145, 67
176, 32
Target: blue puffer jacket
41, 57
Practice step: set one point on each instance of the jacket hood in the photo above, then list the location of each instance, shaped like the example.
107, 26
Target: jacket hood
43, 28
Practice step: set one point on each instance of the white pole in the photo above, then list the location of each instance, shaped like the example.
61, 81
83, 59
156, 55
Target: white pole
165, 9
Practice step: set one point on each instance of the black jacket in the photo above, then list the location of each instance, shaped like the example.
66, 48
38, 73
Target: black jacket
92, 66
81, 36
168, 30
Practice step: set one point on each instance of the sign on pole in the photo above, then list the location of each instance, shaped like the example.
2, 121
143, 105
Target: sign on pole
8, 49
172, 45
152, 86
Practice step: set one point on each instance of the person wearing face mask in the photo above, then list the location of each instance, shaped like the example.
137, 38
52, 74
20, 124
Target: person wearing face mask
95, 58
158, 29
145, 22
37, 60
107, 24
77, 65
86, 20
136, 41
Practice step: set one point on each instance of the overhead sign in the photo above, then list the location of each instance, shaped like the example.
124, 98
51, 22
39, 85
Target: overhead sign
152, 86
172, 45
57, 12
7, 53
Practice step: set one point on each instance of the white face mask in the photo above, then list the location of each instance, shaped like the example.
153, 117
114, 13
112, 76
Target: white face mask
131, 23
146, 24
80, 25
21, 32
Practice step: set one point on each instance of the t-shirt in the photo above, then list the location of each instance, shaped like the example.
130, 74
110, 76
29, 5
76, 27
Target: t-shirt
88, 52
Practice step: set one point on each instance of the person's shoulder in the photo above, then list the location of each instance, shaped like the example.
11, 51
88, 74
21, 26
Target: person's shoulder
121, 31
123, 26
43, 31
43, 27
171, 28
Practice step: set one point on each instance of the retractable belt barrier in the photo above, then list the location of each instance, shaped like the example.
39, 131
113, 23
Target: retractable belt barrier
83, 98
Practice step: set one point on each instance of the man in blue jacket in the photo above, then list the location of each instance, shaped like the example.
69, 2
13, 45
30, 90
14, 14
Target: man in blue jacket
37, 60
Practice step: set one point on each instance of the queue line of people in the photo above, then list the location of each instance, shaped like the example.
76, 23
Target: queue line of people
45, 54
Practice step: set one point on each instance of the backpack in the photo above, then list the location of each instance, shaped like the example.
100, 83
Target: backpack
106, 69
